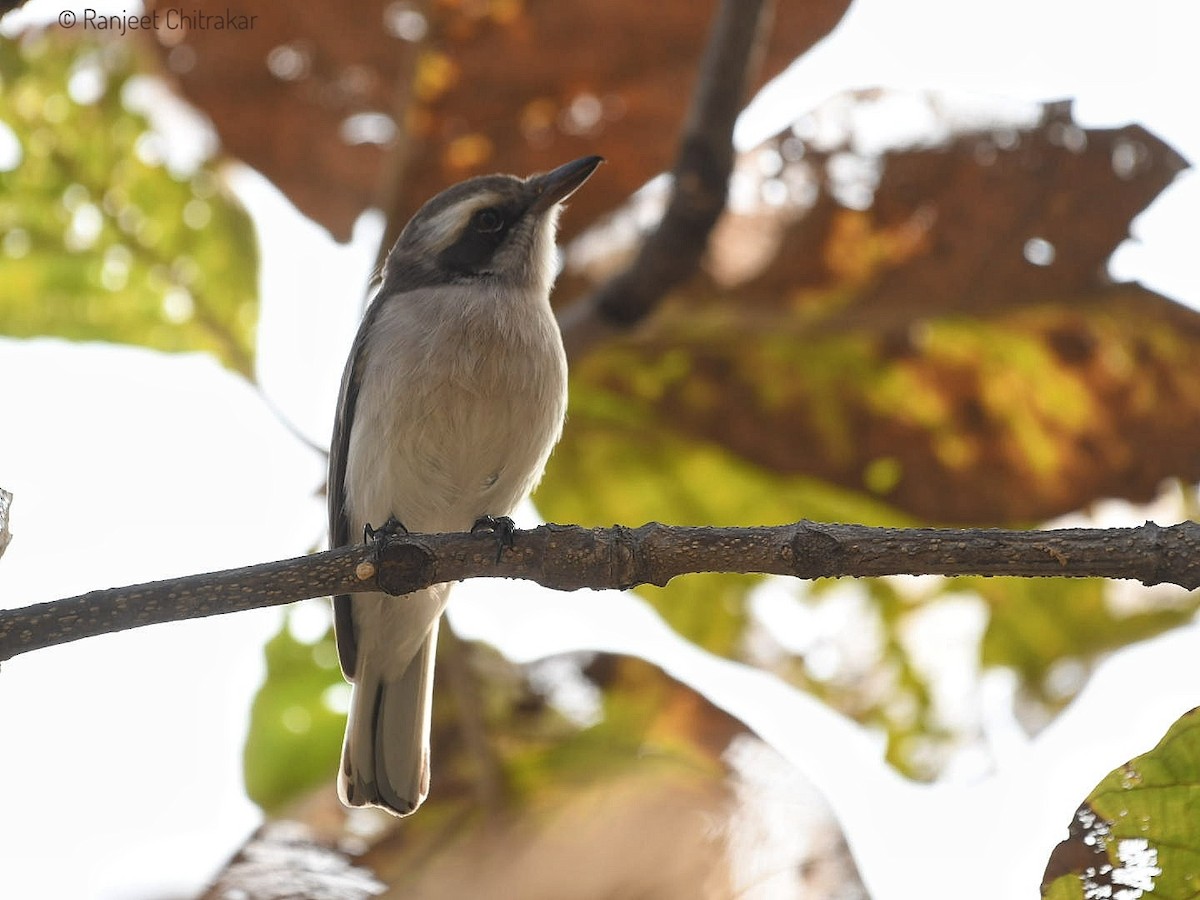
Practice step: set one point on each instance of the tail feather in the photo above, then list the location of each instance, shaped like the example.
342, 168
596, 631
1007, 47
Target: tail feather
385, 759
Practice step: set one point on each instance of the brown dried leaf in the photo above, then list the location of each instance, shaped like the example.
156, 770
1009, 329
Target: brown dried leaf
509, 85
991, 219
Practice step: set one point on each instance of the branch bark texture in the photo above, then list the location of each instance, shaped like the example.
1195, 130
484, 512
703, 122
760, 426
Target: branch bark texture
568, 557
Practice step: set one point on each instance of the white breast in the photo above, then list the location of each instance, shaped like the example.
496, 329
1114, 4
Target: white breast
461, 400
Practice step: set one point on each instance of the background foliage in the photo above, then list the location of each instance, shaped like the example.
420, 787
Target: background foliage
914, 333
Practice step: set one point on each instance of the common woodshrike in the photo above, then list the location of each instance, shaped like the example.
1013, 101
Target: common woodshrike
451, 401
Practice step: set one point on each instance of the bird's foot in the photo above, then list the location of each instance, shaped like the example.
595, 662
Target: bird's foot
500, 526
393, 527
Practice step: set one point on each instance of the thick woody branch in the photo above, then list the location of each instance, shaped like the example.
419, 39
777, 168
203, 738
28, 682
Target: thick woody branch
700, 179
567, 557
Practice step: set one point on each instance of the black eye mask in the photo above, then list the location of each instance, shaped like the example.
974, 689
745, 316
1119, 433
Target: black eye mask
486, 232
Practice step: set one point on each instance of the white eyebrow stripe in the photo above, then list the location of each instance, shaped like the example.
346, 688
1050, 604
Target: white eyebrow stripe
444, 228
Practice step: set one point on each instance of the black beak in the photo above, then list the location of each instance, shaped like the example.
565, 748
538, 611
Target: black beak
561, 183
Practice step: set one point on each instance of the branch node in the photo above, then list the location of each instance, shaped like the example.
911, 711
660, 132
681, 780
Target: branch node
624, 557
815, 552
1160, 569
405, 566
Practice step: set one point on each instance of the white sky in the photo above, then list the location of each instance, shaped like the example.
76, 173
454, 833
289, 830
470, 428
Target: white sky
121, 755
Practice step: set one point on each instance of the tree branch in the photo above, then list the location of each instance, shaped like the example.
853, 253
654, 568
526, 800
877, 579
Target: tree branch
567, 557
700, 179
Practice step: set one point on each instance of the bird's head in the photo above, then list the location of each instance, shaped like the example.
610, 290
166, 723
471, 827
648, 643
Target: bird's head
495, 228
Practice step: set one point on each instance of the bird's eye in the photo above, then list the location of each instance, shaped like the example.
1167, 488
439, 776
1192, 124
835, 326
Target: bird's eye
487, 220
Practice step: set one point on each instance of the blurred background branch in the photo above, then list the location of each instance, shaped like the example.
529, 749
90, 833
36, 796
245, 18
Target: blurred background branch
671, 253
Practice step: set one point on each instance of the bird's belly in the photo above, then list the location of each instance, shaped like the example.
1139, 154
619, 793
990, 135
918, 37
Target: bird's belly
441, 459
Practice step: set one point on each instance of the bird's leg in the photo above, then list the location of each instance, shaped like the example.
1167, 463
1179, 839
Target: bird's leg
501, 526
393, 527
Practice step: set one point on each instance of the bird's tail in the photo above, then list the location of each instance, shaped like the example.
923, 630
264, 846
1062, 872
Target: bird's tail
385, 759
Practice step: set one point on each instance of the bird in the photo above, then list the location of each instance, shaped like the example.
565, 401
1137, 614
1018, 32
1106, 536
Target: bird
451, 401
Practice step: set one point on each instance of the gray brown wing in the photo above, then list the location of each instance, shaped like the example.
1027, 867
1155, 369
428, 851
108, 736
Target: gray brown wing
339, 521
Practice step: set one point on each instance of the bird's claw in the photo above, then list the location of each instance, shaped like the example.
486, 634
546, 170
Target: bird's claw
391, 528
501, 526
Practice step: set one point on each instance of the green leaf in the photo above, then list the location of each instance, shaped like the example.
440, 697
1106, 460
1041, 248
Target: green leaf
1138, 832
99, 238
1064, 889
296, 721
